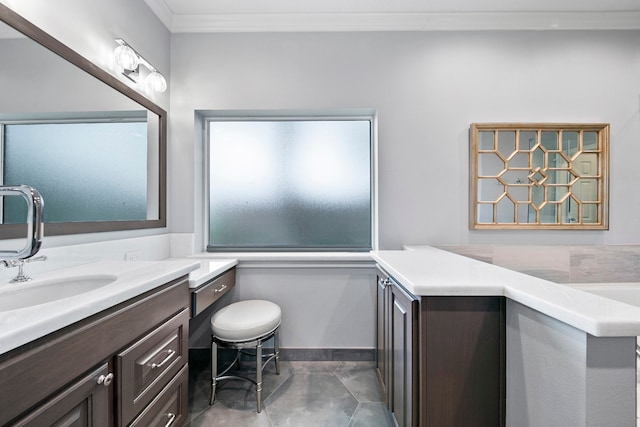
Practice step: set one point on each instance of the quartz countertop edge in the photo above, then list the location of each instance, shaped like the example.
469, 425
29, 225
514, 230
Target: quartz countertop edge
208, 269
20, 326
431, 271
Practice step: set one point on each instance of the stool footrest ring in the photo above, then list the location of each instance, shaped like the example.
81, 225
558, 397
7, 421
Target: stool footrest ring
235, 377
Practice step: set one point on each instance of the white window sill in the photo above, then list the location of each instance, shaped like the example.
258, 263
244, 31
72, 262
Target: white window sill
293, 259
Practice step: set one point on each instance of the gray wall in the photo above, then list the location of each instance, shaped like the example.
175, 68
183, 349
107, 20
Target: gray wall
560, 376
321, 308
427, 87
90, 27
36, 80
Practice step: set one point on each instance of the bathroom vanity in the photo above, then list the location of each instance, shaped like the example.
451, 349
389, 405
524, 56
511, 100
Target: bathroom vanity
462, 342
440, 358
119, 358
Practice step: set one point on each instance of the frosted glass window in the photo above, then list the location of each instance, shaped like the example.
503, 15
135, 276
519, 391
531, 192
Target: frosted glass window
290, 185
84, 171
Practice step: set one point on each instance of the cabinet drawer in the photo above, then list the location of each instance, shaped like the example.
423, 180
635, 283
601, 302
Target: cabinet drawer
146, 367
170, 407
209, 293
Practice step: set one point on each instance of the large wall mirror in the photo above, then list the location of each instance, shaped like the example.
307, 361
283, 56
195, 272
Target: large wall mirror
94, 147
539, 175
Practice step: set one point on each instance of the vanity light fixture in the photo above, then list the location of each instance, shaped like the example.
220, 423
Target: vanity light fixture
129, 62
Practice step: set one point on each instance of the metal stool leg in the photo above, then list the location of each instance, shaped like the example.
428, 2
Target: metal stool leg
214, 369
276, 349
259, 375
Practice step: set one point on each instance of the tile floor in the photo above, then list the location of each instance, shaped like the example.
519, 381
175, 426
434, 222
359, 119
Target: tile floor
304, 394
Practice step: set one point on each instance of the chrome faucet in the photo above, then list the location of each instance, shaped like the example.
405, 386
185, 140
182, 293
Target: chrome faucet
35, 230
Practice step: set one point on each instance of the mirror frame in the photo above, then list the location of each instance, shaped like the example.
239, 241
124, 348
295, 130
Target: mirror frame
601, 176
38, 35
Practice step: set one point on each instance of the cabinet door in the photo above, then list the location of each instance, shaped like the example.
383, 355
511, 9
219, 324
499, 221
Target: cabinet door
404, 357
463, 352
84, 403
382, 335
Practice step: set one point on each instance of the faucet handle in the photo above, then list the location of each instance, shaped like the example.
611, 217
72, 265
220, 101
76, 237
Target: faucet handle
21, 277
10, 263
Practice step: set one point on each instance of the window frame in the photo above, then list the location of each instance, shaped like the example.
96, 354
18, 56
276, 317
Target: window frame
244, 116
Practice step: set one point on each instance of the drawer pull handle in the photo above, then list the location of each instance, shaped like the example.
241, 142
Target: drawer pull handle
170, 354
172, 418
105, 380
220, 289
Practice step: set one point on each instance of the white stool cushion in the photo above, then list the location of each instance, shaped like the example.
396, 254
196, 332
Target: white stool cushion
245, 320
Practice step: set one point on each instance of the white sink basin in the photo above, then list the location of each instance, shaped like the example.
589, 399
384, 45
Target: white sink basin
20, 295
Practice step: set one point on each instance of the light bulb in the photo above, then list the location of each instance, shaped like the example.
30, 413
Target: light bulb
126, 58
156, 82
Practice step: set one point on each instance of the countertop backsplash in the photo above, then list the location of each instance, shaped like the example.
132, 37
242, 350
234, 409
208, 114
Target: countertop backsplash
146, 248
562, 264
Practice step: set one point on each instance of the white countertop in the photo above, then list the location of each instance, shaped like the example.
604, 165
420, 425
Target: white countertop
132, 278
430, 271
209, 269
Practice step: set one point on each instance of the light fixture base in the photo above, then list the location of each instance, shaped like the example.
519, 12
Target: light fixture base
132, 75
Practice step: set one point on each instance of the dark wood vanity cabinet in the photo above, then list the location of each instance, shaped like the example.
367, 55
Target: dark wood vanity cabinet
124, 366
441, 359
397, 356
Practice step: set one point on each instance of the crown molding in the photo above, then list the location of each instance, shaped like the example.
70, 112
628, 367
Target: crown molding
162, 11
449, 21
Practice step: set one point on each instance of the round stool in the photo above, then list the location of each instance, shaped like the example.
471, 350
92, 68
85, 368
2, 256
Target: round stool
245, 324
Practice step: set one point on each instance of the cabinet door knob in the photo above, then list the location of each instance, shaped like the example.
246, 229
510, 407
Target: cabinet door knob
105, 380
172, 418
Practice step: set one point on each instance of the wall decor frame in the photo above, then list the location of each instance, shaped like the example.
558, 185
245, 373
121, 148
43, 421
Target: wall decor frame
539, 176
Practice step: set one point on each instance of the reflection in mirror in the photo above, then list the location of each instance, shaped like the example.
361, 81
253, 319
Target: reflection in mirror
92, 146
110, 153
539, 176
